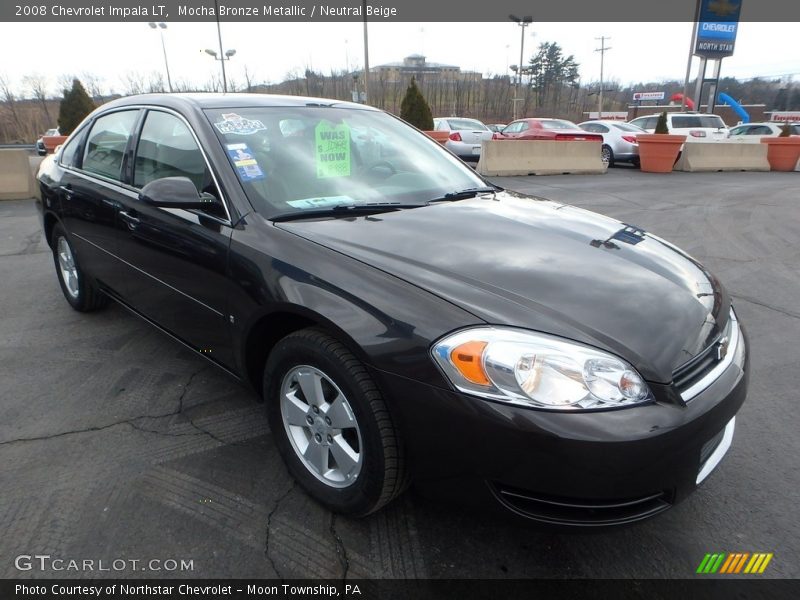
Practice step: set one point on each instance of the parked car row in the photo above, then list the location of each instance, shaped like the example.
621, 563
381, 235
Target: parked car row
619, 138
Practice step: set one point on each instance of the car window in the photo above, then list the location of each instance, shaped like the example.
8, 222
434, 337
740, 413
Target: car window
167, 148
645, 122
466, 124
759, 130
334, 157
105, 146
598, 128
628, 127
590, 127
513, 127
744, 130
556, 124
690, 121
524, 126
69, 151
795, 129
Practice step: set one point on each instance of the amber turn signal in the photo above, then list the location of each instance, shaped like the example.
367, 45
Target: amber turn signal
467, 359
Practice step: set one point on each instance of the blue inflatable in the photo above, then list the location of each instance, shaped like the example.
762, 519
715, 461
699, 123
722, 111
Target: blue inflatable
737, 108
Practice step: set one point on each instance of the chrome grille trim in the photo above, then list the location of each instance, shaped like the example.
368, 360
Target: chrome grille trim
699, 386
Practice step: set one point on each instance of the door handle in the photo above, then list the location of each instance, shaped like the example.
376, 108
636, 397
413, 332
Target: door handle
130, 219
67, 191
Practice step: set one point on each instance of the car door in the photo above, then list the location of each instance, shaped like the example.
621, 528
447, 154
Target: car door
511, 131
176, 259
91, 193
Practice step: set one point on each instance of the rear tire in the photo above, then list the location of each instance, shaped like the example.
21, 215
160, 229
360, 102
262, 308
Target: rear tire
331, 424
81, 293
607, 155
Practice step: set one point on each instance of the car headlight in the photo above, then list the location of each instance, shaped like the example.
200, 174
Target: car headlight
537, 370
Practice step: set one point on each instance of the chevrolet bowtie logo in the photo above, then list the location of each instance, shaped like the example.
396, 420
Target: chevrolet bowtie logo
723, 8
722, 347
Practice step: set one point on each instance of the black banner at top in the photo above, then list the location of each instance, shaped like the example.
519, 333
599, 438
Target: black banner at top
380, 10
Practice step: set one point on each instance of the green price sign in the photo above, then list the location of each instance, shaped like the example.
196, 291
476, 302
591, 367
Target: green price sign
333, 150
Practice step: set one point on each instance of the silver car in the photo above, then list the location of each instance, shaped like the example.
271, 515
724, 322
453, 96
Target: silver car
766, 129
619, 140
466, 136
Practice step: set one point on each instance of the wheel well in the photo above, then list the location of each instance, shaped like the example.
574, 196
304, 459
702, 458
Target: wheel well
49, 222
262, 338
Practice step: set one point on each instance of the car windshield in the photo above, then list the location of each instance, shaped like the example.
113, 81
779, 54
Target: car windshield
628, 127
557, 124
297, 159
462, 124
708, 121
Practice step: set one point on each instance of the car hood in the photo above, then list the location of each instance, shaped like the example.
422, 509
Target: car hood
526, 262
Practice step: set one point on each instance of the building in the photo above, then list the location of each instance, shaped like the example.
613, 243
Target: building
417, 66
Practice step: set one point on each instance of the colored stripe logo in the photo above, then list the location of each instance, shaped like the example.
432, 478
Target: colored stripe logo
734, 563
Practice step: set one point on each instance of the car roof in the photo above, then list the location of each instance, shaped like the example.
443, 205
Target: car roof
202, 101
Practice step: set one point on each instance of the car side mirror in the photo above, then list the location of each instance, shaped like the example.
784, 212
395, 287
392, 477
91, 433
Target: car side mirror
176, 192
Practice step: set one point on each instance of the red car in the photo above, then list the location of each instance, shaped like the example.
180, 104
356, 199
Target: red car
545, 129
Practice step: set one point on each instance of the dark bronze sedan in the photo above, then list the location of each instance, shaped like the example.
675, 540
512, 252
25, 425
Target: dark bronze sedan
403, 319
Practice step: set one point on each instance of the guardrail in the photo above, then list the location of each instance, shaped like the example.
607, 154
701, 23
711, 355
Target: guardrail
16, 178
722, 156
539, 157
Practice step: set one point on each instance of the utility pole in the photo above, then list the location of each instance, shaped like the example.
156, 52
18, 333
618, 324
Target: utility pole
366, 53
602, 50
523, 23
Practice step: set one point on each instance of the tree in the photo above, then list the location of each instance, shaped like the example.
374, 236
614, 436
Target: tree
550, 71
75, 105
414, 109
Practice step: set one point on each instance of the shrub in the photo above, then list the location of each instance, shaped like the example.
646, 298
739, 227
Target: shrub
75, 105
414, 109
661, 125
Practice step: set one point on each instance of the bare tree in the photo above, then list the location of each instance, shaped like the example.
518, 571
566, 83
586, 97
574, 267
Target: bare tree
10, 102
133, 82
37, 84
93, 84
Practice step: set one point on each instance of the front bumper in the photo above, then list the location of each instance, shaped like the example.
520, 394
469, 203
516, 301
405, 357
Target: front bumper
590, 468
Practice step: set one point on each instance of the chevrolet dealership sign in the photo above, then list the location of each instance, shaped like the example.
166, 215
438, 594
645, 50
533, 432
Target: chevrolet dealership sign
717, 27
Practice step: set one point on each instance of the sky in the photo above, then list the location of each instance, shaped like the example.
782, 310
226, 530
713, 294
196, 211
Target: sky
639, 51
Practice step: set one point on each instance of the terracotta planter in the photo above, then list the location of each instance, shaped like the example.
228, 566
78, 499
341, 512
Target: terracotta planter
439, 136
782, 152
51, 142
658, 151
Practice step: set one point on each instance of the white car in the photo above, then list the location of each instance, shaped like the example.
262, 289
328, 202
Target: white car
699, 127
765, 129
466, 136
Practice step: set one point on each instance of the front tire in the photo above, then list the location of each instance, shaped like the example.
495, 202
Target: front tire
80, 292
331, 424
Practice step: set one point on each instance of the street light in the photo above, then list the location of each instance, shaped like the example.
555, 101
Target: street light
226, 55
523, 23
161, 27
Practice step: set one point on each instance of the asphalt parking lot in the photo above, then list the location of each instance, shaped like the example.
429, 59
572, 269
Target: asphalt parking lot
116, 443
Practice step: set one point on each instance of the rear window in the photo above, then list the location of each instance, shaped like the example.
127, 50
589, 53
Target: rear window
556, 124
464, 124
690, 121
628, 127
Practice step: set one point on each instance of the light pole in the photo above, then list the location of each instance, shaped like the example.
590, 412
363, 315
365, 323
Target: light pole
223, 54
222, 59
366, 53
523, 23
161, 27
602, 50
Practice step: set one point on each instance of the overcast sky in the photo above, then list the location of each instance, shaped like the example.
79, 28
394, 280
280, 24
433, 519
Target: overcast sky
639, 51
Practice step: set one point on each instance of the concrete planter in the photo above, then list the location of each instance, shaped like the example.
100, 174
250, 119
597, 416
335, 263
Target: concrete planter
782, 152
658, 151
439, 136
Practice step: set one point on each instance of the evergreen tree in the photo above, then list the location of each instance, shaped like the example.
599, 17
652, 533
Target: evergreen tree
75, 105
414, 109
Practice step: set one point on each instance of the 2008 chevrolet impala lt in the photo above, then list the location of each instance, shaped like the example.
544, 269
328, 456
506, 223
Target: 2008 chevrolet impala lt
403, 319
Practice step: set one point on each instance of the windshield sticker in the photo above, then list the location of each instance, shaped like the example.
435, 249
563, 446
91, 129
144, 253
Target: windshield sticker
233, 123
333, 150
246, 165
325, 202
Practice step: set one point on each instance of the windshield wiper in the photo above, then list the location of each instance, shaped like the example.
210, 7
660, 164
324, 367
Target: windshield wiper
345, 210
465, 194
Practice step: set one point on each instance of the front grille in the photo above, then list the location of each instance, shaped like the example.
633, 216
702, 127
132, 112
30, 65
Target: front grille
568, 511
690, 373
